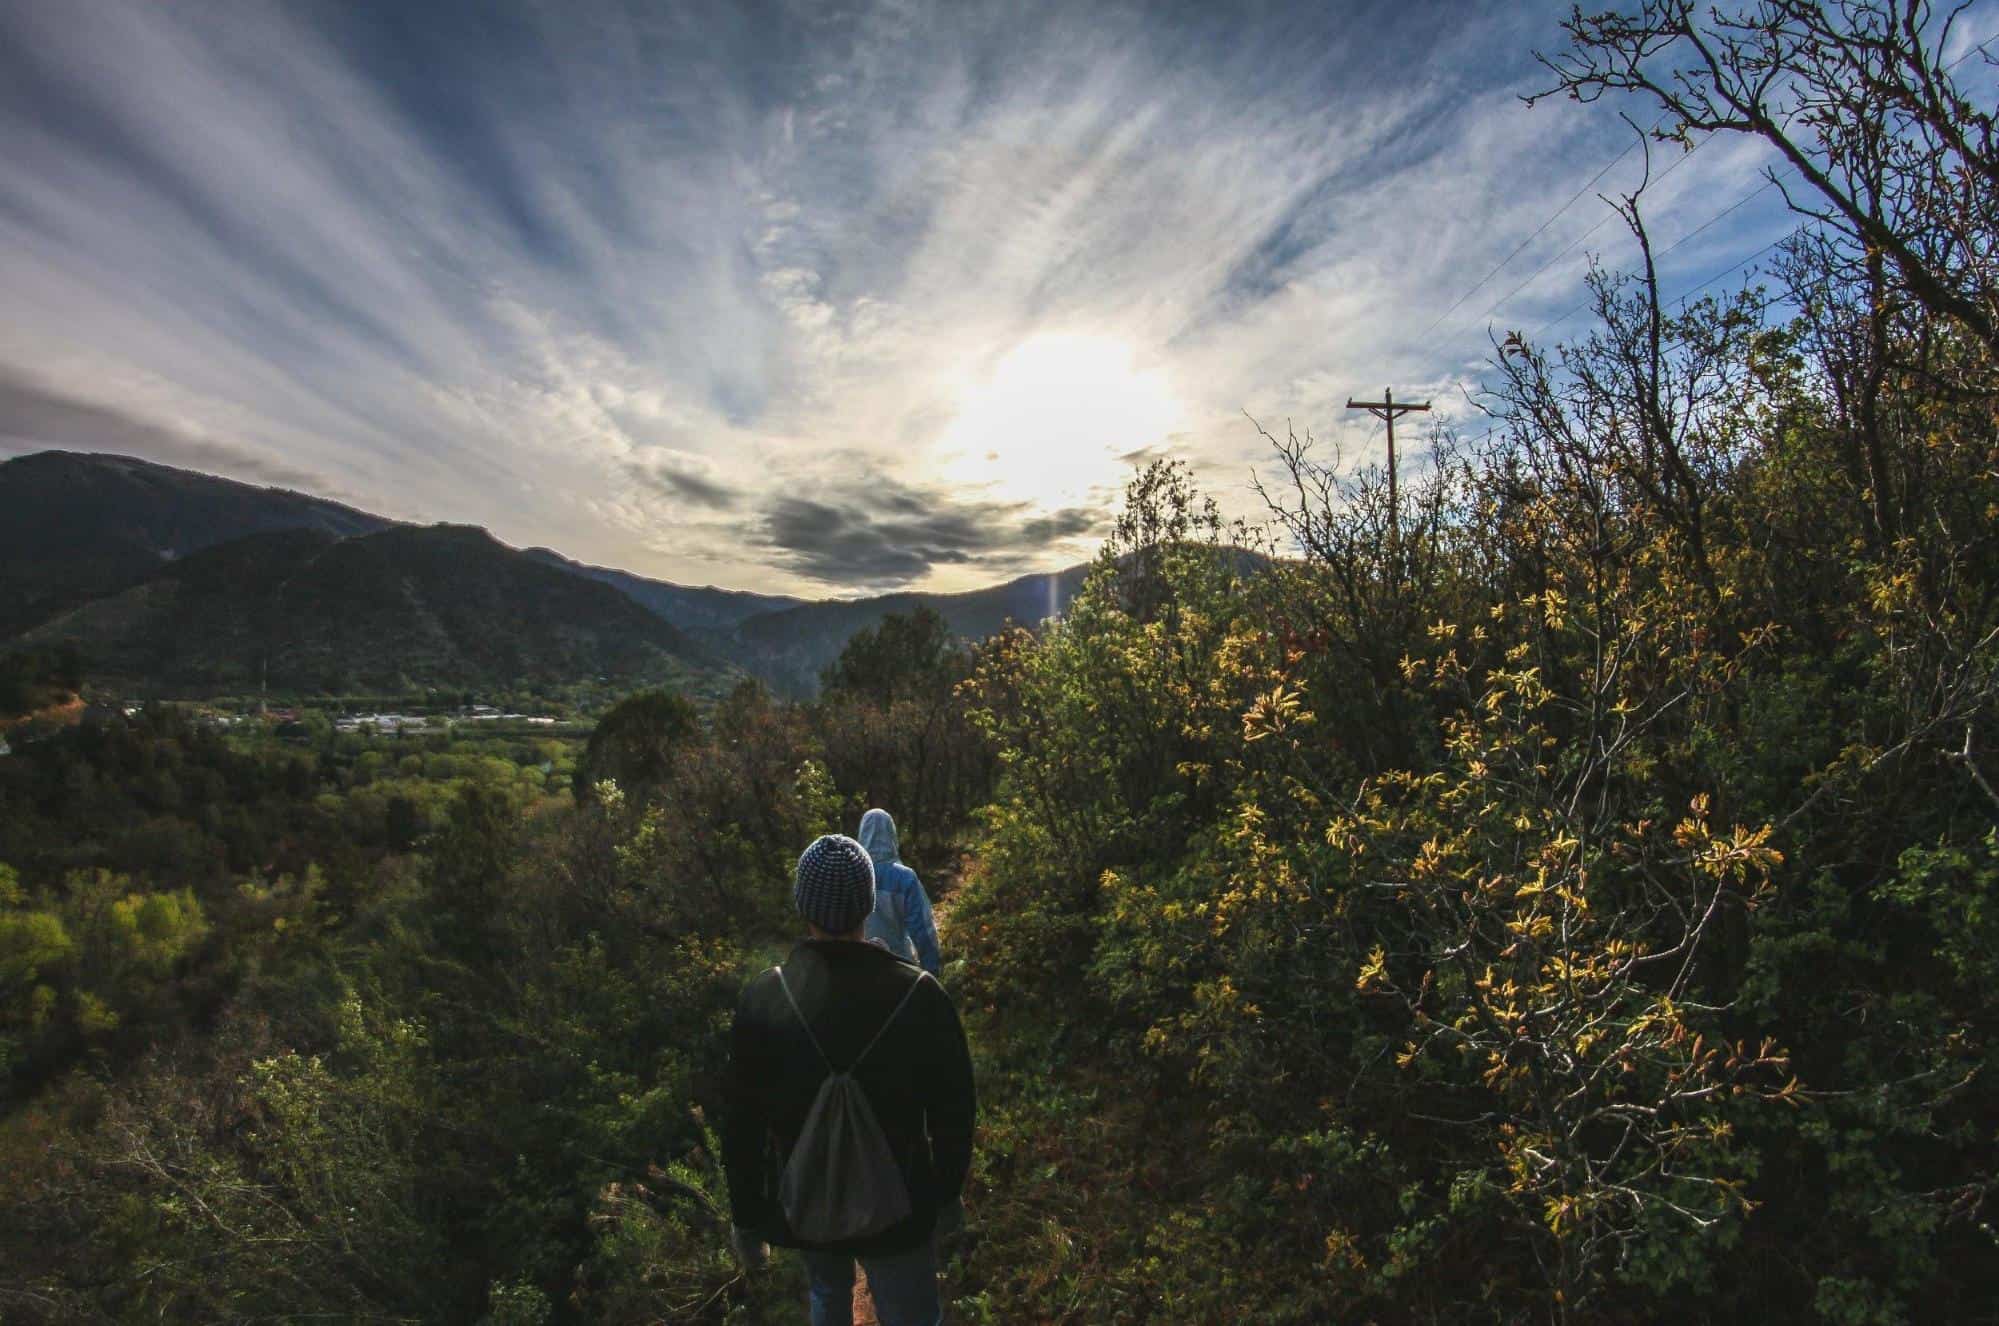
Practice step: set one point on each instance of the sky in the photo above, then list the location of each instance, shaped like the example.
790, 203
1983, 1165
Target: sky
806, 298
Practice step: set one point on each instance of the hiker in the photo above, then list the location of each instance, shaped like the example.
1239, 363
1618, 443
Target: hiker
844, 1030
901, 920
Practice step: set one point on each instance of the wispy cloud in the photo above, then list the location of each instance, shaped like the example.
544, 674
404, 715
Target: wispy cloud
32, 418
709, 292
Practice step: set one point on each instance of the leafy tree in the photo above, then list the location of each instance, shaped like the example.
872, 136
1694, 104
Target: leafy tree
402, 822
1883, 149
896, 733
900, 657
636, 741
470, 862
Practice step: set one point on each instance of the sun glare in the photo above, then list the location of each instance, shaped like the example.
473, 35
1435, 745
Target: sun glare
1053, 419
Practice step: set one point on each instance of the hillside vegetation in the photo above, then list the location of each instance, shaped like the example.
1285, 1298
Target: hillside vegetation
1571, 897
378, 1026
400, 608
79, 526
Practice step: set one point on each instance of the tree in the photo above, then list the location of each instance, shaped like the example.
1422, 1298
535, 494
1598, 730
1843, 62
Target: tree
901, 657
896, 733
472, 857
402, 822
636, 742
1887, 152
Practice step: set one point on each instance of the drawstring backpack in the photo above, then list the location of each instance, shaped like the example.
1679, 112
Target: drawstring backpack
841, 1181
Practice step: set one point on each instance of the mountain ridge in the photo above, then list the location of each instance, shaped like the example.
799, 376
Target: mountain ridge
391, 610
705, 607
82, 524
119, 555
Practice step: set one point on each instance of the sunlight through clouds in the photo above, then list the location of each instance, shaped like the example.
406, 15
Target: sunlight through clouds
1054, 418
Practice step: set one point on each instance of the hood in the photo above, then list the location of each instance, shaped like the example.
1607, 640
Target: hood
877, 836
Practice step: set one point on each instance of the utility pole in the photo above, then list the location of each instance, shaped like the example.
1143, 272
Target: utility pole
1387, 411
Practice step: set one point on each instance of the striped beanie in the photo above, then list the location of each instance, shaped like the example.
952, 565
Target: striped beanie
834, 886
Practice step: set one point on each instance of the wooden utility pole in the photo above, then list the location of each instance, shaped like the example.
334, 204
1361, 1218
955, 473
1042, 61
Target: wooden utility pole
1387, 411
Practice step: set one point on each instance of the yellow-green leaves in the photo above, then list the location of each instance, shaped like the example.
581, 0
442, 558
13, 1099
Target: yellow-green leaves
1374, 971
1273, 713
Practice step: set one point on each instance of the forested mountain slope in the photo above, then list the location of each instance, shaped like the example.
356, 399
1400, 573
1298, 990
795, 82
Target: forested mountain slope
689, 607
97, 538
80, 525
403, 607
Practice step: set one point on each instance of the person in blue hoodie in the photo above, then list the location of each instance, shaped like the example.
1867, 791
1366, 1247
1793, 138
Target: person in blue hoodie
901, 921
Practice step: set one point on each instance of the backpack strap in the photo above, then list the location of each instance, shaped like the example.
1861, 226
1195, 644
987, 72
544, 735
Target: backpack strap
798, 1012
907, 995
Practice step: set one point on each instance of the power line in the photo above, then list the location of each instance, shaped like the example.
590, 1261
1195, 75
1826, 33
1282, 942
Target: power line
1556, 215
1497, 304
1690, 292
1767, 185
1551, 262
1977, 49
1540, 229
1667, 252
1518, 248
1684, 295
1739, 203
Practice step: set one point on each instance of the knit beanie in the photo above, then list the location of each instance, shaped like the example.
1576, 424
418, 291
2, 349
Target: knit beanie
834, 886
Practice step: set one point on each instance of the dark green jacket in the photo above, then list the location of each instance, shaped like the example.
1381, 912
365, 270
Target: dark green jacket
918, 1079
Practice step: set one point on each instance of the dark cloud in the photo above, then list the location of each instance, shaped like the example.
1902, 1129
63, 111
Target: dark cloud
34, 418
680, 481
1068, 523
879, 533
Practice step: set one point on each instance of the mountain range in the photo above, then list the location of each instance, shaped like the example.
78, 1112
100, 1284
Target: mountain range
173, 582
80, 526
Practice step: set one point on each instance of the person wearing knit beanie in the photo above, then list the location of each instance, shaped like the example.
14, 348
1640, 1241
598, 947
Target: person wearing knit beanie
834, 885
841, 1007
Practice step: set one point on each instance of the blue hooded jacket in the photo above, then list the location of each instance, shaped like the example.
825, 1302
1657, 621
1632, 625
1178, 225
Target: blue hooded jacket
901, 919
